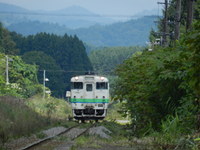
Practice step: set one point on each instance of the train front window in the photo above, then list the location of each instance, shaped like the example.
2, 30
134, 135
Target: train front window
77, 85
89, 87
101, 85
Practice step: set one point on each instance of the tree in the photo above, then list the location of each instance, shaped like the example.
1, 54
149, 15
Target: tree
54, 72
7, 45
162, 83
66, 57
189, 11
112, 56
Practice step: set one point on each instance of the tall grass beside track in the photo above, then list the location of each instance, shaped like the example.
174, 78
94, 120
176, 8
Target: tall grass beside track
23, 117
50, 107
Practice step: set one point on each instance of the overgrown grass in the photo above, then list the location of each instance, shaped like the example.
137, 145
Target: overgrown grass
115, 112
19, 118
50, 107
86, 142
172, 136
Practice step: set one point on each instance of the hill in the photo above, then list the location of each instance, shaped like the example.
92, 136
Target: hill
61, 56
11, 8
72, 17
133, 32
112, 56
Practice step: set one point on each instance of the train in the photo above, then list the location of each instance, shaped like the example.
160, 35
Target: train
89, 97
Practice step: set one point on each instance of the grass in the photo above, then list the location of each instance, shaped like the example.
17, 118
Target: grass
86, 142
40, 135
50, 107
172, 136
22, 118
114, 110
169, 138
119, 138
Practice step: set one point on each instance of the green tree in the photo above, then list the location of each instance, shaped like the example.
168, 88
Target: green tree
105, 60
67, 53
53, 71
162, 83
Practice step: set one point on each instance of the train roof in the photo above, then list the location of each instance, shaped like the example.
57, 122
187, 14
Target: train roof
91, 78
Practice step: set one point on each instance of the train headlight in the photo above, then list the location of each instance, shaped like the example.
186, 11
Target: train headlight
76, 78
102, 78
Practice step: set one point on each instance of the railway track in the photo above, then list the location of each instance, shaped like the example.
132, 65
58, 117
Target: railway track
69, 133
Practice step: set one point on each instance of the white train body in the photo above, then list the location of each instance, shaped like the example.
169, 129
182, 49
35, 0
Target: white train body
89, 97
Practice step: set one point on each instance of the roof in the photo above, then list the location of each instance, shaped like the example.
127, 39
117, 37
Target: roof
89, 78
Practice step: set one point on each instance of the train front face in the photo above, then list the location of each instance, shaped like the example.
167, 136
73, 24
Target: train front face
89, 97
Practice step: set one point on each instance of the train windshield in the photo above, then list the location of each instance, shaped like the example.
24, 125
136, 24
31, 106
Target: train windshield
89, 87
76, 85
101, 85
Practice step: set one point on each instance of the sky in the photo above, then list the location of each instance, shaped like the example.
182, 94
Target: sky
102, 7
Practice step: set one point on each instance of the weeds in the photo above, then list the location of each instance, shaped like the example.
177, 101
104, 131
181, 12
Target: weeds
86, 141
17, 119
172, 136
40, 135
50, 107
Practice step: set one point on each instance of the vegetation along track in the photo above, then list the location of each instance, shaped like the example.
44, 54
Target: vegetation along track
72, 135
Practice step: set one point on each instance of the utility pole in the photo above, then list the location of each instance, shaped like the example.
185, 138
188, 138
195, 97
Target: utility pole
177, 19
44, 84
165, 23
44, 80
190, 10
7, 78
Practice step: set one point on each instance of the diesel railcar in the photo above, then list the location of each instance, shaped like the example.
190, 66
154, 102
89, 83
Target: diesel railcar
89, 97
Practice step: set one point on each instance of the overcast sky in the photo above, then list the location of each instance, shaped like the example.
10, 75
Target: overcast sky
108, 7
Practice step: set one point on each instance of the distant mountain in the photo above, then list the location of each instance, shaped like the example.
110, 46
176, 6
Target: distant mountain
153, 12
133, 32
72, 17
74, 10
8, 14
11, 8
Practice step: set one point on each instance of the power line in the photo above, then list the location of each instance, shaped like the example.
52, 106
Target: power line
69, 71
60, 71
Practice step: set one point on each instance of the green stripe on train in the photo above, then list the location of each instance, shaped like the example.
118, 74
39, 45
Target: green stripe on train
80, 100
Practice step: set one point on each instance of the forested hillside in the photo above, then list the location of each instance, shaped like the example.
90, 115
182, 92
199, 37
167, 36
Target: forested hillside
105, 60
61, 57
132, 32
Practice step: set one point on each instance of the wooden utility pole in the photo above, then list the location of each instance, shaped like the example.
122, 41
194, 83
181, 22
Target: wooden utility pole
7, 78
190, 9
165, 29
178, 19
165, 24
44, 78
